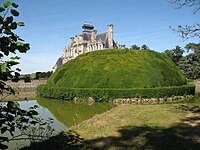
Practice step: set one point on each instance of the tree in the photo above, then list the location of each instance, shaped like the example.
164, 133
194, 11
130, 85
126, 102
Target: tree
194, 48
178, 53
191, 63
12, 117
135, 47
169, 53
144, 47
187, 31
175, 54
186, 3
190, 66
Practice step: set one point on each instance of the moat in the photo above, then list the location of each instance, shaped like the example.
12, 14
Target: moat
65, 114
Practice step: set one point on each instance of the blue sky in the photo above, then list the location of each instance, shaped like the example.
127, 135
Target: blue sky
50, 23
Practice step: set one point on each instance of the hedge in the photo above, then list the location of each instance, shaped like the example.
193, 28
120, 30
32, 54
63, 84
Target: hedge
103, 94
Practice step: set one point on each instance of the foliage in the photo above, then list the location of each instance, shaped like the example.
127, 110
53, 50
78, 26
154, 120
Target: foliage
104, 94
145, 47
118, 69
189, 64
10, 43
187, 31
135, 47
12, 117
44, 74
194, 47
37, 75
175, 54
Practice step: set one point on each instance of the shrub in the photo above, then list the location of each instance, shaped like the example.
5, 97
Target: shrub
104, 94
118, 69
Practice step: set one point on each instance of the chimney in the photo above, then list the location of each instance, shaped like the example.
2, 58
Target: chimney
110, 36
71, 40
93, 37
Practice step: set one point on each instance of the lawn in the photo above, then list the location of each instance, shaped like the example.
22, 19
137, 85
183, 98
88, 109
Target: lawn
166, 126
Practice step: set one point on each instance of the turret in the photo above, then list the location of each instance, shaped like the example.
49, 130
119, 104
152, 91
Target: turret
110, 36
87, 27
71, 40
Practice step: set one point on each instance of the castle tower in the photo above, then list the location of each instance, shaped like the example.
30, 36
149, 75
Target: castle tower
110, 36
71, 40
87, 28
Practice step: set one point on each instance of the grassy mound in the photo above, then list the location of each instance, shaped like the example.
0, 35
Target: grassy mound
118, 69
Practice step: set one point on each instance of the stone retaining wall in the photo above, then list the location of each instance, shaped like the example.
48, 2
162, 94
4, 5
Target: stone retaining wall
26, 85
197, 88
149, 100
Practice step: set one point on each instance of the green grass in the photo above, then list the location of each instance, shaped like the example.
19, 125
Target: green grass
118, 69
157, 127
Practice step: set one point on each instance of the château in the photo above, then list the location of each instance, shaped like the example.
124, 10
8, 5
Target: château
88, 41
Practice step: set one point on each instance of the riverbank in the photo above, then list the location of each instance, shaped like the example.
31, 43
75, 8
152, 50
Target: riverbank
127, 126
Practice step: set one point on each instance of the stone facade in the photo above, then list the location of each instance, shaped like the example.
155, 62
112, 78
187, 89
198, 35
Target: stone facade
87, 41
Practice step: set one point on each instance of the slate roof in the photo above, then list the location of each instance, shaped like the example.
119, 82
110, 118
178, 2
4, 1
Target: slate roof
86, 36
59, 62
103, 37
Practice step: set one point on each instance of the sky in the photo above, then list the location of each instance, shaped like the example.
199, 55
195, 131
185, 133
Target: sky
50, 23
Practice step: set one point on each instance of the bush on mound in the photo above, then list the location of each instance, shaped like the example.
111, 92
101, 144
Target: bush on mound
118, 69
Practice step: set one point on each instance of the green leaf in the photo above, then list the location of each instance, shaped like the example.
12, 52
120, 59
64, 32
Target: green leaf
7, 31
14, 5
3, 67
16, 105
7, 4
9, 19
21, 24
18, 69
13, 25
20, 44
1, 19
14, 12
2, 9
6, 87
12, 63
16, 57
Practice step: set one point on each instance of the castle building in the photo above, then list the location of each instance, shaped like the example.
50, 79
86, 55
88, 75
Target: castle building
87, 41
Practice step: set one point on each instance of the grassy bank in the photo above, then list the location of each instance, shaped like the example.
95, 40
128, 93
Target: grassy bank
143, 127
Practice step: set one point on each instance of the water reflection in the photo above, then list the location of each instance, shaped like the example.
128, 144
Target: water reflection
64, 113
70, 113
